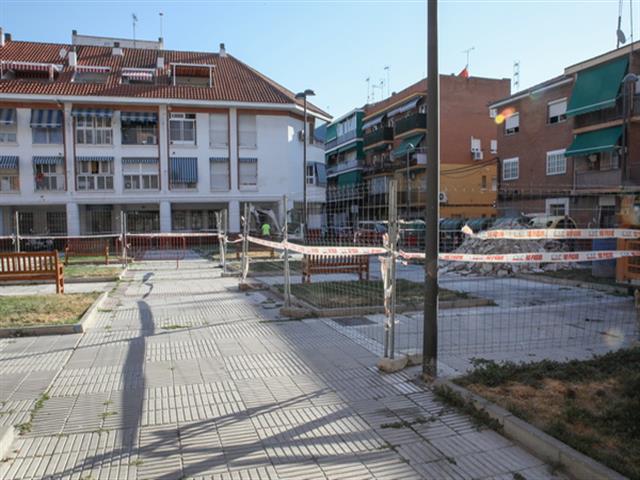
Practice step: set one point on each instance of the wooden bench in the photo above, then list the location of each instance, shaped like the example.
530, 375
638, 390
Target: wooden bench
32, 266
254, 248
347, 264
87, 246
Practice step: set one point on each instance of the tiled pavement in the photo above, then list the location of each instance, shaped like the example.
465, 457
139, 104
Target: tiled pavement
185, 377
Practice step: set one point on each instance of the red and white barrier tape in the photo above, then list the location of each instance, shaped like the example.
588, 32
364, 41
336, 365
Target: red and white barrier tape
539, 257
554, 233
318, 250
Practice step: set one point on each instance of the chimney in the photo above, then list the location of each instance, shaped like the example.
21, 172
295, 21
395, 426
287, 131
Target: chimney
72, 58
1, 37
160, 62
117, 50
7, 37
223, 51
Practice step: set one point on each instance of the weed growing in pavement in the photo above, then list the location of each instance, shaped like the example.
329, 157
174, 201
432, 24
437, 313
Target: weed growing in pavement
174, 326
479, 417
26, 427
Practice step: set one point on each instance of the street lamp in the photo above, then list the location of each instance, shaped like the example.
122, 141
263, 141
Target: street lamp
303, 96
411, 148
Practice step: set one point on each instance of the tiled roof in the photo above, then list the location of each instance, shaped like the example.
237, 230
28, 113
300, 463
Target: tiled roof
233, 80
373, 108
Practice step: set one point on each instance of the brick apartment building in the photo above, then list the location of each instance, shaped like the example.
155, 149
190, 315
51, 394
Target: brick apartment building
571, 145
101, 126
395, 146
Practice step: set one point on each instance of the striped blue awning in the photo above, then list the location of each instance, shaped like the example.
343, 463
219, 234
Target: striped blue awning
94, 159
92, 112
7, 116
139, 117
219, 159
46, 118
138, 160
184, 169
8, 161
48, 160
248, 160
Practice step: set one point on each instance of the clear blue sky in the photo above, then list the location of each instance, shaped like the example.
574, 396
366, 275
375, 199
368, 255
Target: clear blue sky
332, 46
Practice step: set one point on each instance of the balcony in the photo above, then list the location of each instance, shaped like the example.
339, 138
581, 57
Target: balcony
599, 116
343, 167
9, 184
50, 182
384, 134
412, 122
598, 179
346, 137
330, 144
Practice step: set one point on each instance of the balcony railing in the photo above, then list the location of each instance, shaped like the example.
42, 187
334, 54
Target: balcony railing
9, 184
599, 116
330, 144
598, 179
95, 182
384, 134
346, 137
636, 105
53, 182
343, 167
412, 122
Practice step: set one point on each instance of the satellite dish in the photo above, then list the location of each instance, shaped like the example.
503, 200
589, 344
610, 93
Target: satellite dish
62, 53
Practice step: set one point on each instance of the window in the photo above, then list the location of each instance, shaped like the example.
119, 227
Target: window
609, 161
218, 130
182, 128
183, 172
311, 175
346, 126
95, 175
321, 174
49, 176
247, 131
557, 111
512, 124
9, 181
46, 135
247, 172
139, 128
8, 133
219, 173
556, 163
557, 207
57, 223
494, 184
91, 77
483, 183
93, 130
140, 174
510, 169
25, 222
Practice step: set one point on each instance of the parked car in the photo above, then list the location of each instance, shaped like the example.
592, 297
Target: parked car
480, 223
370, 232
552, 221
506, 223
412, 233
451, 235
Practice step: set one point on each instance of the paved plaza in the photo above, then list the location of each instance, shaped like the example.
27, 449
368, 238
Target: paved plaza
183, 376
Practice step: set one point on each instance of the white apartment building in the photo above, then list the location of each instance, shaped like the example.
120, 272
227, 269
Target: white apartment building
88, 131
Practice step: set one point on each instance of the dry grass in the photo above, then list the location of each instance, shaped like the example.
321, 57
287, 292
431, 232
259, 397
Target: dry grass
33, 310
91, 271
593, 405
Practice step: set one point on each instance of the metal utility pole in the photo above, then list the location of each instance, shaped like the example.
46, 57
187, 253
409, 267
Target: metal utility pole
287, 272
430, 330
303, 95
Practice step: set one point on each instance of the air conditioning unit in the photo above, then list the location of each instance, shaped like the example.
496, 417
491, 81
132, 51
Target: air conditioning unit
442, 197
477, 154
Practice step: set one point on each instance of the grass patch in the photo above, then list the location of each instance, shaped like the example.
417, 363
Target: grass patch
275, 265
174, 326
28, 425
90, 271
33, 310
592, 405
368, 293
98, 259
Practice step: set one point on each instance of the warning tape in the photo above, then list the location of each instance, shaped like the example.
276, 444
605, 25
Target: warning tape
539, 257
319, 250
554, 233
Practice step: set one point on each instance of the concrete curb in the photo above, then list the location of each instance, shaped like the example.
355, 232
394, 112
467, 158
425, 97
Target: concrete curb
7, 435
542, 445
86, 321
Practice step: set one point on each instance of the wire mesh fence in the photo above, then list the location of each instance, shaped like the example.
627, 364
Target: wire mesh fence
534, 295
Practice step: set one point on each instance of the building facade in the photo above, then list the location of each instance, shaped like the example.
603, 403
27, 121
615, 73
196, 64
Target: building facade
571, 145
92, 129
394, 133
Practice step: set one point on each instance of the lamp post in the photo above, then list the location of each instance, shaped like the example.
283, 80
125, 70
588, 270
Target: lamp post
410, 149
303, 95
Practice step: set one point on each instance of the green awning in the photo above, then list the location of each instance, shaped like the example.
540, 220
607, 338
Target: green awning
597, 87
407, 145
350, 178
597, 141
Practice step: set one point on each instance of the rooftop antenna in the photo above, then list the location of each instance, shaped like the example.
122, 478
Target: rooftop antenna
134, 20
380, 85
161, 17
388, 70
515, 83
468, 52
368, 80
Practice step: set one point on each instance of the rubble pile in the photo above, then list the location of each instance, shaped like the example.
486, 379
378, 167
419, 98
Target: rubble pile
498, 247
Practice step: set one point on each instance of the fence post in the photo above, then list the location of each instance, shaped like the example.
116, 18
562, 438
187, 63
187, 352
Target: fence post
123, 239
393, 246
287, 273
17, 220
245, 243
221, 238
